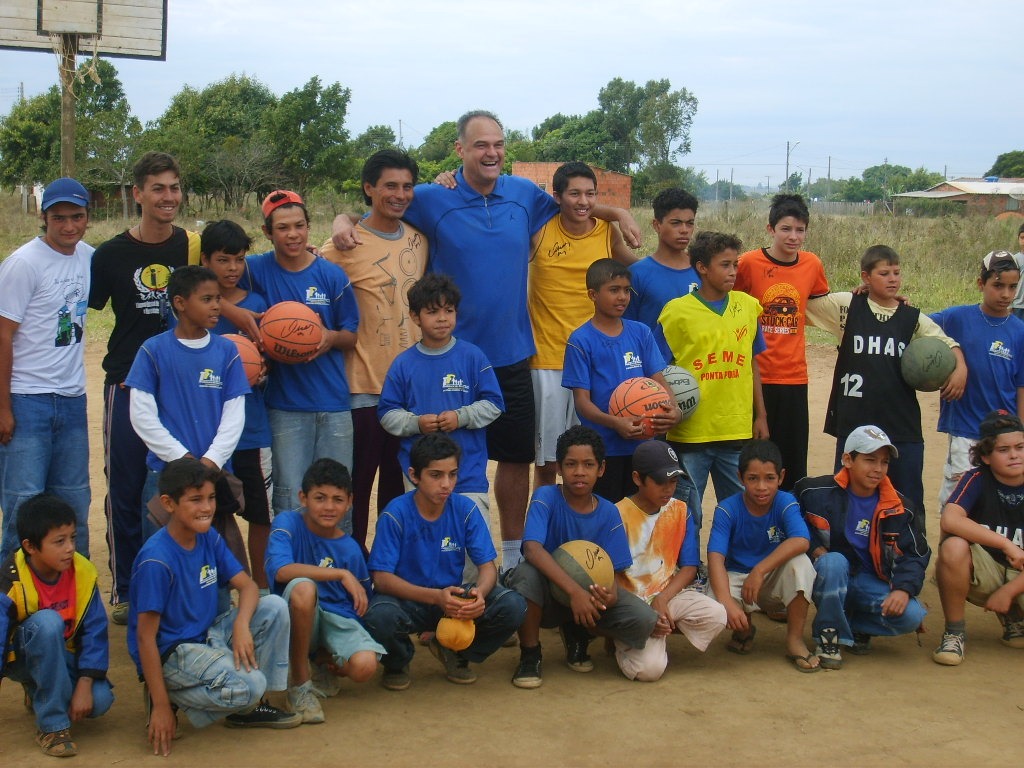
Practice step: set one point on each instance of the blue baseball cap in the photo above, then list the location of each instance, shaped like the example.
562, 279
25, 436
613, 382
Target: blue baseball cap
65, 190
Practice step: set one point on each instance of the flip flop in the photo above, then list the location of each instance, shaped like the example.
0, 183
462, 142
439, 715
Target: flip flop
742, 644
803, 663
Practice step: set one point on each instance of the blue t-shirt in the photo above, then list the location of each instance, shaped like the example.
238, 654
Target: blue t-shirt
179, 584
291, 541
190, 386
552, 522
420, 382
995, 366
428, 553
653, 285
256, 433
860, 511
599, 363
484, 244
745, 539
319, 385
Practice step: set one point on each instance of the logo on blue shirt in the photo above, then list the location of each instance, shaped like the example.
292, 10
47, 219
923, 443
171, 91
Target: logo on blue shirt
452, 383
208, 576
863, 528
999, 349
316, 296
632, 360
450, 545
209, 380
326, 562
775, 535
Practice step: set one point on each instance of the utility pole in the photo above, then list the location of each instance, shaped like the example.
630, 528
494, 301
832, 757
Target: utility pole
828, 187
788, 150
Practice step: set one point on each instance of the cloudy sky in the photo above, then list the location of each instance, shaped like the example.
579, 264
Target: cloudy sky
915, 83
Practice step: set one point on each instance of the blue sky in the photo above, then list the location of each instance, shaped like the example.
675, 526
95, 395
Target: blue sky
910, 82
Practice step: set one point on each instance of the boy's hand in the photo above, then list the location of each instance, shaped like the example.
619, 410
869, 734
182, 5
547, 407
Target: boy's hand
81, 700
446, 179
344, 234
955, 385
761, 427
471, 609
161, 729
663, 420
6, 425
737, 617
606, 598
429, 422
752, 586
449, 601
447, 421
326, 344
244, 647
896, 603
664, 626
629, 427
250, 327
630, 230
1014, 555
1000, 600
584, 607
355, 590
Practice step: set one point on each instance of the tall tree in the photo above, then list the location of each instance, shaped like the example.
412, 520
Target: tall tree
30, 140
1008, 165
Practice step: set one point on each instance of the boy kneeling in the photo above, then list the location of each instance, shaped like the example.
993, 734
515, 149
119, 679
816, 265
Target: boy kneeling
756, 555
53, 627
869, 560
567, 512
210, 666
423, 540
321, 573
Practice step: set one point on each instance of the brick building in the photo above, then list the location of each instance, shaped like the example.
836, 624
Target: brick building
988, 197
614, 188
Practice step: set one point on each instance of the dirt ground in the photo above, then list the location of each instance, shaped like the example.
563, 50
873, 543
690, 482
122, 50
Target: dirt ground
894, 707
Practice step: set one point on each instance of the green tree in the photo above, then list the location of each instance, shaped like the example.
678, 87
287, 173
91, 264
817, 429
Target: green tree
658, 176
308, 131
373, 139
1008, 165
648, 124
30, 140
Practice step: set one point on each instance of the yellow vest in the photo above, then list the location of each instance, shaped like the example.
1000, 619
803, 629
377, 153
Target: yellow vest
718, 351
557, 292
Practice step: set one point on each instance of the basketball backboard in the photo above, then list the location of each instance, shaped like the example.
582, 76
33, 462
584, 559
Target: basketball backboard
133, 29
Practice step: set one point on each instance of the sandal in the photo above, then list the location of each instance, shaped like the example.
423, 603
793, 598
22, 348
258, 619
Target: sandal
804, 663
57, 743
742, 644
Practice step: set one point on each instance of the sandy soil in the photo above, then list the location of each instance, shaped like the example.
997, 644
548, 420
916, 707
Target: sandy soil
894, 707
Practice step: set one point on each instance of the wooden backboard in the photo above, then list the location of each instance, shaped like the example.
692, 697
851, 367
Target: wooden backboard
134, 29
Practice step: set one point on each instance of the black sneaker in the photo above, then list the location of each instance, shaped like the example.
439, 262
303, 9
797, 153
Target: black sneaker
577, 641
456, 668
828, 652
264, 716
861, 644
528, 672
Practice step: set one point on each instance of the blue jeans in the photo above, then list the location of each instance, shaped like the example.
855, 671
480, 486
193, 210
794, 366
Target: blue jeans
299, 438
390, 620
50, 671
201, 677
721, 464
853, 603
49, 452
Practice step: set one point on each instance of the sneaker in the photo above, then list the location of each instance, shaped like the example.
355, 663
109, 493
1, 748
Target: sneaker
304, 702
396, 680
264, 716
1013, 633
147, 703
57, 743
456, 668
950, 652
861, 644
528, 672
576, 640
828, 651
325, 683
119, 614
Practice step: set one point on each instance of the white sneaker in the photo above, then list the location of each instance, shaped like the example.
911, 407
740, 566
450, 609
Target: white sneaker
325, 683
304, 702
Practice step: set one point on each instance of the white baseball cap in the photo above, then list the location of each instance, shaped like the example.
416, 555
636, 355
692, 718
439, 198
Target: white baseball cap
868, 439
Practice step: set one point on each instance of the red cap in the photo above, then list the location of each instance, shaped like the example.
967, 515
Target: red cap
277, 198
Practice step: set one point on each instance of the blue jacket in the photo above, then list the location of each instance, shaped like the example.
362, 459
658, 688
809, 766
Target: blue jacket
899, 553
19, 600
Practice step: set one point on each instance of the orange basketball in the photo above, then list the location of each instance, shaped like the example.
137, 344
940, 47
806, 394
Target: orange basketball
640, 398
252, 361
291, 332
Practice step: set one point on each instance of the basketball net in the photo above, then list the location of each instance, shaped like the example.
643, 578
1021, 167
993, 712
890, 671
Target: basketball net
67, 67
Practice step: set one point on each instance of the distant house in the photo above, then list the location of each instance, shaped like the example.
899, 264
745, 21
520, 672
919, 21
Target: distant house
991, 196
613, 188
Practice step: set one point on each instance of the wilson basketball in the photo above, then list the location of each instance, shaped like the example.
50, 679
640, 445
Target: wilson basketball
640, 398
252, 361
684, 388
291, 332
586, 563
926, 363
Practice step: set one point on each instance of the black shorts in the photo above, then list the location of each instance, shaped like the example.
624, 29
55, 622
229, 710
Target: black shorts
510, 438
248, 465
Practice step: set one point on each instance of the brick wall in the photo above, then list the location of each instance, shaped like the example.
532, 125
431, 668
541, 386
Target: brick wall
614, 188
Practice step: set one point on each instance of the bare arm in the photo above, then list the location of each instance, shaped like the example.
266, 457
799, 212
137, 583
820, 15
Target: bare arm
343, 231
584, 606
626, 427
630, 229
955, 522
348, 580
760, 414
161, 720
445, 598
7, 330
719, 578
620, 251
244, 320
786, 551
